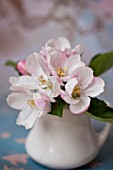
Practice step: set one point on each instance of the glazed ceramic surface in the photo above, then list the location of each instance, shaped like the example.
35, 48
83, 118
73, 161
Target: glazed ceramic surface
65, 143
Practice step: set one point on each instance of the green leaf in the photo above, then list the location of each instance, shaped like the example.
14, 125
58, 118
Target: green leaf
101, 63
100, 111
57, 107
11, 63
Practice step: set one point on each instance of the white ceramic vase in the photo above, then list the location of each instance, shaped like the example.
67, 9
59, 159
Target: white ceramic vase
65, 143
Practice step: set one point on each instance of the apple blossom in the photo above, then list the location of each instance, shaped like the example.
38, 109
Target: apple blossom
39, 78
62, 67
80, 88
60, 44
51, 79
33, 106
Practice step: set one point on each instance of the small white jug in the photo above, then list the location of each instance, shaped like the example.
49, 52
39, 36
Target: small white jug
65, 143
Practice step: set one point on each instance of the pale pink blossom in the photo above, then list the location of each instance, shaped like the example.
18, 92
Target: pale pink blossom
61, 44
56, 71
80, 88
62, 67
44, 81
38, 80
33, 106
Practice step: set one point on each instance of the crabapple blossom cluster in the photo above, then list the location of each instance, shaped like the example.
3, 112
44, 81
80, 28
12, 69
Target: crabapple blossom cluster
56, 71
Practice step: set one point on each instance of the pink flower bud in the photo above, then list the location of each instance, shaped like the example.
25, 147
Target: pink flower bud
21, 67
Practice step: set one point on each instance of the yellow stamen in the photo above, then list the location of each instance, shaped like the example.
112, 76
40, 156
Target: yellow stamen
42, 80
45, 83
61, 72
76, 92
31, 103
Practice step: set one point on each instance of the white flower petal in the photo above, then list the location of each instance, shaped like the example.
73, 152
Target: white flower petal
27, 117
56, 87
63, 43
42, 98
65, 78
32, 65
78, 49
95, 88
46, 110
57, 59
81, 106
23, 81
47, 51
52, 43
18, 100
40, 103
19, 89
72, 63
84, 76
70, 86
36, 65
43, 64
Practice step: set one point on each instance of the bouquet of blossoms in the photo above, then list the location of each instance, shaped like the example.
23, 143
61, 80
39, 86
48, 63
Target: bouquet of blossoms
57, 77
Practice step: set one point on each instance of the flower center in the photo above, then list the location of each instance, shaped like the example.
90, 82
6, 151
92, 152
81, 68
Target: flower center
50, 85
45, 84
42, 80
76, 92
31, 103
61, 72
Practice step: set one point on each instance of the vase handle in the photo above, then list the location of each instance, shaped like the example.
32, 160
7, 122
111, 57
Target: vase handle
102, 136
